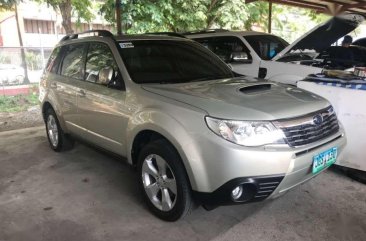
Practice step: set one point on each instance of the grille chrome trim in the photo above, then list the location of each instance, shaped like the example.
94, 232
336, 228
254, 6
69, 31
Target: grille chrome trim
303, 130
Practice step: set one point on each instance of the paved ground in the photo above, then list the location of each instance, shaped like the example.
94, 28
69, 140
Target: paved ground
87, 195
19, 120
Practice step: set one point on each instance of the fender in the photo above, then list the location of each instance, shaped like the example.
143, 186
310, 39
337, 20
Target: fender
50, 98
175, 133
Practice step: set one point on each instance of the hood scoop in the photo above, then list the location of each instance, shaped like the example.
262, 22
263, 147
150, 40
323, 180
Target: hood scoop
254, 89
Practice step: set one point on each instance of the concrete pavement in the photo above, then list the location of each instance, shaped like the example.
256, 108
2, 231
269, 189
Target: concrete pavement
86, 194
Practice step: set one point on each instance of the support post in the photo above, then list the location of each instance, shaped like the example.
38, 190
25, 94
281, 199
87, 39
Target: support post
118, 17
269, 17
22, 50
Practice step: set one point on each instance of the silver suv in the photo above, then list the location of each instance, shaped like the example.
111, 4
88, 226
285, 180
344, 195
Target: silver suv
191, 128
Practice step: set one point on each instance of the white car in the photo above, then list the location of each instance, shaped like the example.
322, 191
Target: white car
268, 56
11, 74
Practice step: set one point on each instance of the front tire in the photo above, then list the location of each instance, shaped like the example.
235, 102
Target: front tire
163, 181
56, 137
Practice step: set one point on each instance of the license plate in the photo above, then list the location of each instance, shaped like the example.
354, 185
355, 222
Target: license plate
324, 160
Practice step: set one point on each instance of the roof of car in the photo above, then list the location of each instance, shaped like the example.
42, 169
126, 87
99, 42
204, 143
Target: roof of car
118, 38
226, 33
123, 38
130, 37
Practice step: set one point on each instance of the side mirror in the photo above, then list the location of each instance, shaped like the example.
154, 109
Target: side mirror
240, 57
105, 75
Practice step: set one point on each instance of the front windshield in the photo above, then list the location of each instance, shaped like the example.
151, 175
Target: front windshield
171, 61
266, 46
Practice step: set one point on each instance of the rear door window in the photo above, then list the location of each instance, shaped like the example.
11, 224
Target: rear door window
266, 46
224, 46
73, 62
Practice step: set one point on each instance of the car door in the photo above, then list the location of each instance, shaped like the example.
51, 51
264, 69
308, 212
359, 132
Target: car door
101, 101
65, 84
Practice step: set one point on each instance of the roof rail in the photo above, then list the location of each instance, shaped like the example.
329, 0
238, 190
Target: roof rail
173, 34
101, 33
216, 30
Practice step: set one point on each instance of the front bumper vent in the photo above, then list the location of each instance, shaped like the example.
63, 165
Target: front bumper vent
265, 189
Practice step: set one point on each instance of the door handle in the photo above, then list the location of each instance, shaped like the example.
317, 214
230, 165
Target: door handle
82, 93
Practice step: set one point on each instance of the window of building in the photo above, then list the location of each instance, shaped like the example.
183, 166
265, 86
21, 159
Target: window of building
39, 26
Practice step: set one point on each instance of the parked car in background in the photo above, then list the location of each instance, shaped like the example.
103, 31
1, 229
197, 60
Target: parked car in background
268, 56
192, 129
11, 74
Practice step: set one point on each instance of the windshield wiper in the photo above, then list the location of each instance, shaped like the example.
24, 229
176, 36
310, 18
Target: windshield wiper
210, 78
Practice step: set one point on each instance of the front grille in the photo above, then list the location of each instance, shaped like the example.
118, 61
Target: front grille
308, 129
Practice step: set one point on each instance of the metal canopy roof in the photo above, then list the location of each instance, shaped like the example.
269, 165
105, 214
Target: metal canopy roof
332, 7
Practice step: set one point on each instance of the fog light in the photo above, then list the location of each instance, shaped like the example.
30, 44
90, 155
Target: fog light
237, 192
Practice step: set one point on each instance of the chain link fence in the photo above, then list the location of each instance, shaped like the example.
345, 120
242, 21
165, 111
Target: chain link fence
11, 70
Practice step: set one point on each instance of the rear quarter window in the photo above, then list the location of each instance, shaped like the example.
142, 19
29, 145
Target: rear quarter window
53, 61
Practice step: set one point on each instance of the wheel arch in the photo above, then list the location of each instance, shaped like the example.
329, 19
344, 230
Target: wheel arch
45, 106
147, 136
160, 125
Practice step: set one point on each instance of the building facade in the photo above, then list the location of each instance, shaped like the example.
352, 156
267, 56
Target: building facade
40, 26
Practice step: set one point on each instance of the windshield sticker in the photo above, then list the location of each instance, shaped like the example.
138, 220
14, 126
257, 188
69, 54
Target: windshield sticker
126, 45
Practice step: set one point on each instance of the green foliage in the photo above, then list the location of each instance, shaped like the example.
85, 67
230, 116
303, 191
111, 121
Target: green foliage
5, 59
18, 102
237, 15
140, 16
8, 4
291, 22
82, 10
34, 61
79, 8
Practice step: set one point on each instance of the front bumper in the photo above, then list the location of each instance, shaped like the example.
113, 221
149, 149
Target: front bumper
260, 187
255, 189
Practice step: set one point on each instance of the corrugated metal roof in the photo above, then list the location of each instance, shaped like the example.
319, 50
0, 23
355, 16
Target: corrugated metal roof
332, 7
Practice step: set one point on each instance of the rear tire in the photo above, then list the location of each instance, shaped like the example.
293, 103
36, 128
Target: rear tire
57, 139
163, 181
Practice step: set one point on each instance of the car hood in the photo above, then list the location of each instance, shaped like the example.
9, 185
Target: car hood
325, 34
242, 99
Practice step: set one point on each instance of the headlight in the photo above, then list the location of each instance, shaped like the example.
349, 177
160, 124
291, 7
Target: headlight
246, 133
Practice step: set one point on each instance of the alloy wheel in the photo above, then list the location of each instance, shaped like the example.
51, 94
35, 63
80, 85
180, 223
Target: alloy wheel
52, 130
159, 182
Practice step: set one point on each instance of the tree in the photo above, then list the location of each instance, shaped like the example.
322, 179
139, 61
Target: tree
179, 15
81, 8
140, 16
147, 15
12, 5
